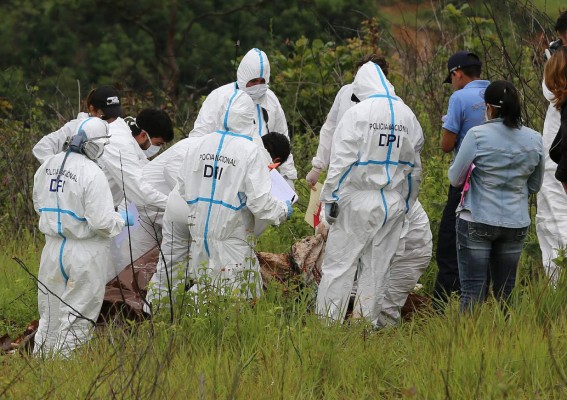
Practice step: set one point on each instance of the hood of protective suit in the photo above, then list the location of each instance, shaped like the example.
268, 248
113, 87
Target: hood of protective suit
370, 80
239, 113
93, 128
254, 65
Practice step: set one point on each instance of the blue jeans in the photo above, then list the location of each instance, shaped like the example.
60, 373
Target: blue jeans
484, 249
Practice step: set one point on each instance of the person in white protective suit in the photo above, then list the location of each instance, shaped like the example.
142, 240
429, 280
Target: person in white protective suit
123, 160
223, 183
72, 197
374, 177
162, 174
414, 252
253, 76
551, 217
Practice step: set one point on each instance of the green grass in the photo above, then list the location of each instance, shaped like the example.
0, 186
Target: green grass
278, 349
18, 293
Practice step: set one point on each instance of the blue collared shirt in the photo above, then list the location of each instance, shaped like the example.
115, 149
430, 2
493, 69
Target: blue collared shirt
509, 165
466, 109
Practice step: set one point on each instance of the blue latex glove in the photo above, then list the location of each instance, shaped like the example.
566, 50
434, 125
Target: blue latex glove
128, 221
289, 208
330, 219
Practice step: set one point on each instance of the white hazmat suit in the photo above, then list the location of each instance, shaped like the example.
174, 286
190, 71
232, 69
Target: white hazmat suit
72, 197
223, 183
415, 248
122, 164
374, 176
551, 217
254, 65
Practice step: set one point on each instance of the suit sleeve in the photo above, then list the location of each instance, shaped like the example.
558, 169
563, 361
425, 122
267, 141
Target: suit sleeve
321, 159
258, 187
99, 208
53, 143
125, 169
344, 153
287, 169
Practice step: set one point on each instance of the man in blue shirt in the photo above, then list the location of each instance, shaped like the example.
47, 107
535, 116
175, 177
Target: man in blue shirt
465, 110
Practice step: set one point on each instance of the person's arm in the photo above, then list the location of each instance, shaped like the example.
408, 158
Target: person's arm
287, 169
463, 160
209, 117
124, 167
417, 133
452, 123
561, 172
52, 143
448, 141
344, 153
536, 178
321, 159
99, 208
257, 188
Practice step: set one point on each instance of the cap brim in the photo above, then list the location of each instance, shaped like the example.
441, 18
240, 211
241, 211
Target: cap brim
448, 79
112, 112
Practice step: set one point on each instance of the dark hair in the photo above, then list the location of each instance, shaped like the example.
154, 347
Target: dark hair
277, 145
156, 122
472, 71
504, 96
561, 24
376, 59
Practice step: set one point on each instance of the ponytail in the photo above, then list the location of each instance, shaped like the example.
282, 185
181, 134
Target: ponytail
505, 99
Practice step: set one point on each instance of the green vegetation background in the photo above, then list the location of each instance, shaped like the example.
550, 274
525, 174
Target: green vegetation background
170, 54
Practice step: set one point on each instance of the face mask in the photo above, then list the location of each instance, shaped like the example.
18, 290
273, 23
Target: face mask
486, 113
153, 149
257, 91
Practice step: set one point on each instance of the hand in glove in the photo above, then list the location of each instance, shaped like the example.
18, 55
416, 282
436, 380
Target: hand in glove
289, 209
312, 177
331, 212
128, 219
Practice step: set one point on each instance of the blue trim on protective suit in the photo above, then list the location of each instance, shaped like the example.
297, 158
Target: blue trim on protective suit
383, 96
68, 212
260, 122
392, 122
212, 200
225, 122
364, 164
261, 62
219, 202
409, 192
229, 133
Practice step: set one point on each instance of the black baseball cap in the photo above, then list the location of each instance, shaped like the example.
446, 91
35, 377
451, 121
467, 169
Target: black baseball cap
106, 98
460, 60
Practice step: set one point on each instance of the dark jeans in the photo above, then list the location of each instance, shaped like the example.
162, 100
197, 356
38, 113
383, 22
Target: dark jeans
447, 280
482, 249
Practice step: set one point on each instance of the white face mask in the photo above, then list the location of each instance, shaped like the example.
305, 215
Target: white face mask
153, 149
256, 92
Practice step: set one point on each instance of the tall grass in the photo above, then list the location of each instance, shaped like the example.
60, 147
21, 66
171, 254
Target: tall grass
276, 348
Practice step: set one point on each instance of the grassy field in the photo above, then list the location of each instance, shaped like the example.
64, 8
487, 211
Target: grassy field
277, 348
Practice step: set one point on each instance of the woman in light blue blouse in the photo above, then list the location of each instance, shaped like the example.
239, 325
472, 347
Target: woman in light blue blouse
493, 217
